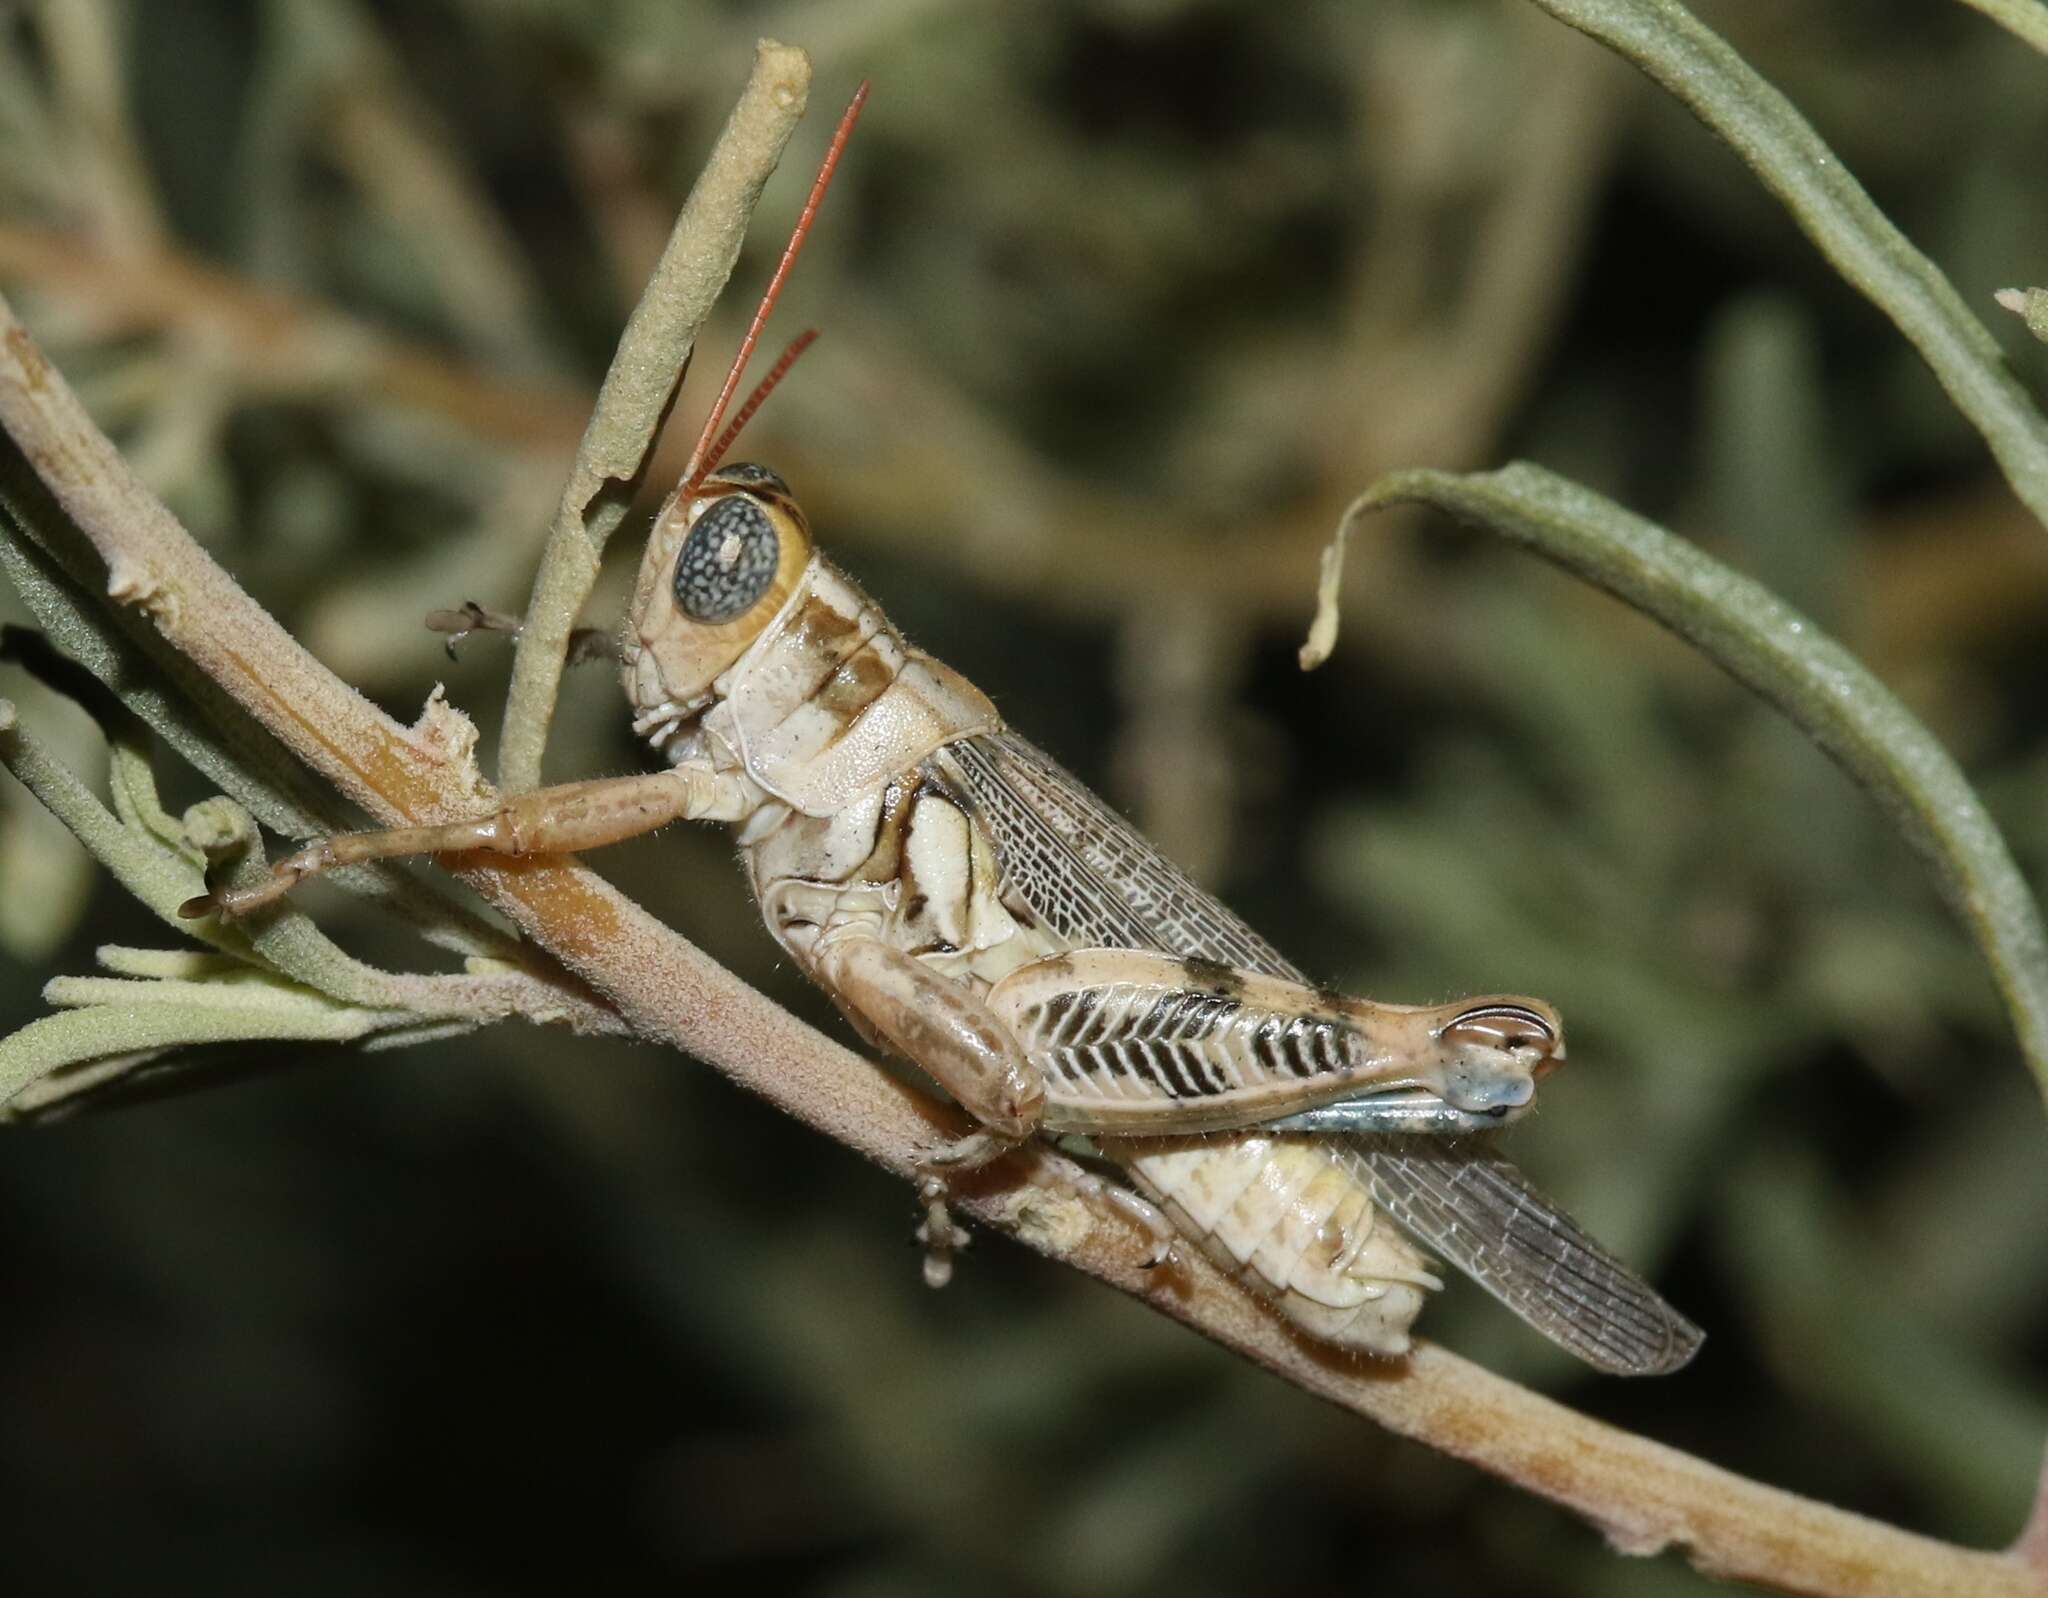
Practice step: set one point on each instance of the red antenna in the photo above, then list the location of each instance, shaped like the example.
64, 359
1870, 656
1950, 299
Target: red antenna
706, 455
762, 390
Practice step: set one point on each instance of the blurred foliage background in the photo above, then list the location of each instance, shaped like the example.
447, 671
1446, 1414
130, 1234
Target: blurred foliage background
1122, 302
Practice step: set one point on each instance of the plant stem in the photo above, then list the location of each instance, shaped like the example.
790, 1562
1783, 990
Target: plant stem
639, 388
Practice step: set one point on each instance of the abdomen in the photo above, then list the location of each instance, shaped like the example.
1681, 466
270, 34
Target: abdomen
1289, 1218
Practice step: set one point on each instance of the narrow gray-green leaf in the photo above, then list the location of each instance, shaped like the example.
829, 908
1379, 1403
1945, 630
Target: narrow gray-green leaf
77, 1036
1673, 47
142, 863
287, 939
1768, 646
53, 570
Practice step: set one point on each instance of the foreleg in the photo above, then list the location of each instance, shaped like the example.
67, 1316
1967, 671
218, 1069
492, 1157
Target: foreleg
558, 820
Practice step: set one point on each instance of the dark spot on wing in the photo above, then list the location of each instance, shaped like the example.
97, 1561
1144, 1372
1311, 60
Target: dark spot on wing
1212, 976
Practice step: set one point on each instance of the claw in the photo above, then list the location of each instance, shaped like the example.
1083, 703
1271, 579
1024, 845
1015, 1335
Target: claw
1116, 1202
469, 618
584, 644
232, 903
969, 1153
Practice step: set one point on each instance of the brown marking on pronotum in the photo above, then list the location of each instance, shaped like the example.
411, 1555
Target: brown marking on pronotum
858, 682
820, 623
818, 639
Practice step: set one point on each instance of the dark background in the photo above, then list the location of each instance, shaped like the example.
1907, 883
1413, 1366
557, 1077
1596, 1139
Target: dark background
1121, 304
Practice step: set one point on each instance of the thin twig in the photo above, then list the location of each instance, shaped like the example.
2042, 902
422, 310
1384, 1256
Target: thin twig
1643, 1495
639, 388
283, 344
87, 54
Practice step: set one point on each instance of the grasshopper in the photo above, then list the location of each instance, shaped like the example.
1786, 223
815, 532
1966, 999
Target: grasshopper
973, 909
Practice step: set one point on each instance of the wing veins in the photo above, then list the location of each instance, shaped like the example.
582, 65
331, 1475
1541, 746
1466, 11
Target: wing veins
1473, 1208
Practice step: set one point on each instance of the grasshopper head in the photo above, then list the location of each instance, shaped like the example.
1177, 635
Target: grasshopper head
730, 547
721, 562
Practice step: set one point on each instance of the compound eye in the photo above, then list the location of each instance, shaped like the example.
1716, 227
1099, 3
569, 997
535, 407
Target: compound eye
728, 561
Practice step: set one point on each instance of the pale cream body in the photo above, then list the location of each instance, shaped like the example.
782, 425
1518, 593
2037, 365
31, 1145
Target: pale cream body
831, 733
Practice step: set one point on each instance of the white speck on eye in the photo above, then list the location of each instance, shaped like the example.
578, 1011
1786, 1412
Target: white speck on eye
728, 552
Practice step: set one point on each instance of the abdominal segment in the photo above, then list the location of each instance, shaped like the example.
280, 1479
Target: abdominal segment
1292, 1222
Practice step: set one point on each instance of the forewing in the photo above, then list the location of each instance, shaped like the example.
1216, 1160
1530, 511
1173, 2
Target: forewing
1479, 1212
1098, 880
1102, 883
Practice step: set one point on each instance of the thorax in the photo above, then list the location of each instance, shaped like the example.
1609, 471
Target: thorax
830, 722
830, 704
